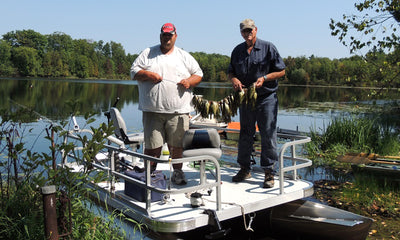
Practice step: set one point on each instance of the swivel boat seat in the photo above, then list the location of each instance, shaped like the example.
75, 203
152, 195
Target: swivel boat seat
133, 140
120, 130
198, 142
205, 141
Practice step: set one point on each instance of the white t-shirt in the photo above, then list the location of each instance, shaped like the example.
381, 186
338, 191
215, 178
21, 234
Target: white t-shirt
165, 96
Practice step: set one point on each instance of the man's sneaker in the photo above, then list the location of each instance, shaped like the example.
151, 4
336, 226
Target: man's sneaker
241, 175
269, 179
178, 177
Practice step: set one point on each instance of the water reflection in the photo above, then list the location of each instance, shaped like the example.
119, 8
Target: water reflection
49, 96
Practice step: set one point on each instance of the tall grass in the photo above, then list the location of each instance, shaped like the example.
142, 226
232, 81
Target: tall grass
352, 134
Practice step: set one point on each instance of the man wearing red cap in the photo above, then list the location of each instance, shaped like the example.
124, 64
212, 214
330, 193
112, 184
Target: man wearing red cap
166, 75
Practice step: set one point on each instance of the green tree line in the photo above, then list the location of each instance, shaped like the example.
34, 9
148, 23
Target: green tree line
26, 53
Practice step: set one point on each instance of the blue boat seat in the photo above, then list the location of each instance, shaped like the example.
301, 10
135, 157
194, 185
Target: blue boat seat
198, 142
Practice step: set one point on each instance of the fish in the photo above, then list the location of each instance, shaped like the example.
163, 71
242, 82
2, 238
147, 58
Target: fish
252, 95
227, 107
242, 96
214, 107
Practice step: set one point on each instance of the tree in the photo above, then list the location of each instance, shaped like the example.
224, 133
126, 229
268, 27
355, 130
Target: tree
377, 30
118, 57
59, 41
82, 66
53, 65
27, 61
6, 68
300, 76
378, 24
27, 38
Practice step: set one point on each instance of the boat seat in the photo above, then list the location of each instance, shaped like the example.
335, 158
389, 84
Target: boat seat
121, 131
198, 142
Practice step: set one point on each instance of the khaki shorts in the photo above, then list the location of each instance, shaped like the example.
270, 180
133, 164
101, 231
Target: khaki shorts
161, 127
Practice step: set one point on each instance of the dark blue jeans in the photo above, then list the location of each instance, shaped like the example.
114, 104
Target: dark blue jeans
265, 115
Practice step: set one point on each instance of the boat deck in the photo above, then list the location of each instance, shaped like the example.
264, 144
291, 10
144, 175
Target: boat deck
227, 200
176, 213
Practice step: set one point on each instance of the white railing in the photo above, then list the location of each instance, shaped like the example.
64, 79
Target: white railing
296, 138
120, 148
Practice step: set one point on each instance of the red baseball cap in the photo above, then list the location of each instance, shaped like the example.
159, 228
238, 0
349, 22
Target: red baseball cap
168, 28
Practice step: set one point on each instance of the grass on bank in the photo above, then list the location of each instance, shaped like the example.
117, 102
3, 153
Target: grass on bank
351, 135
378, 198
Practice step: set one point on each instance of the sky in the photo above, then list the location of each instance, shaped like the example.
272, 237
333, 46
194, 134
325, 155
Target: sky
296, 27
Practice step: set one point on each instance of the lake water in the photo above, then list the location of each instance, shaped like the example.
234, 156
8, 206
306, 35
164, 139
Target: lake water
301, 108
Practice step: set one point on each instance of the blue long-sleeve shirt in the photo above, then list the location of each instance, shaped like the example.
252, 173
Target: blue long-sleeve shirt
263, 59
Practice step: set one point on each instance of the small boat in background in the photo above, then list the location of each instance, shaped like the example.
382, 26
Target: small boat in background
388, 172
381, 167
303, 219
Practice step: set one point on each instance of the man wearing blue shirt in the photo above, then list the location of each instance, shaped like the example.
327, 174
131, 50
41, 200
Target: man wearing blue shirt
257, 62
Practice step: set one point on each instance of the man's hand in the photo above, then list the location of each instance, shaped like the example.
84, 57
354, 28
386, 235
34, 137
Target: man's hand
155, 78
259, 82
184, 83
237, 84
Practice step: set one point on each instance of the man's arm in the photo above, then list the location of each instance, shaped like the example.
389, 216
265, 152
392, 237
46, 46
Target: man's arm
144, 75
270, 77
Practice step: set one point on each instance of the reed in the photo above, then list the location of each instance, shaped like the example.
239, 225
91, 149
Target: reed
352, 134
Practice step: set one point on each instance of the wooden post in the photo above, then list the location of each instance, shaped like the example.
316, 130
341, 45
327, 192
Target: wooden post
50, 212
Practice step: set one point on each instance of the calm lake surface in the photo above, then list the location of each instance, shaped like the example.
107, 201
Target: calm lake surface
301, 108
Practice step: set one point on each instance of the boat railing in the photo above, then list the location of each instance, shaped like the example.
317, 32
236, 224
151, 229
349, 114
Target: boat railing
295, 138
297, 162
119, 147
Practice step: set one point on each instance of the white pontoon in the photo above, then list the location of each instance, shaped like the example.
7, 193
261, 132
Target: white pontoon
218, 199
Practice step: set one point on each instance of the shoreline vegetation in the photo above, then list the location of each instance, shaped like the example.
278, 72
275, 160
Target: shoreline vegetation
369, 195
26, 53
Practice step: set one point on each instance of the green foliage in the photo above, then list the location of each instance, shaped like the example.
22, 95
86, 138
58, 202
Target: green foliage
214, 66
23, 173
27, 61
27, 38
6, 68
28, 53
377, 31
351, 134
380, 18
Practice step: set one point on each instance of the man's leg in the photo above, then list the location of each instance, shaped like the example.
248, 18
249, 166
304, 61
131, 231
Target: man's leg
246, 140
153, 135
267, 123
176, 127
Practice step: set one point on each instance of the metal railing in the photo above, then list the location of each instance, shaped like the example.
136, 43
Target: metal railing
120, 148
296, 138
297, 163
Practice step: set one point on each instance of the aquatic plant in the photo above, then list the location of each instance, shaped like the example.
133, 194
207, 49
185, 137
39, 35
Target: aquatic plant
352, 134
23, 173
